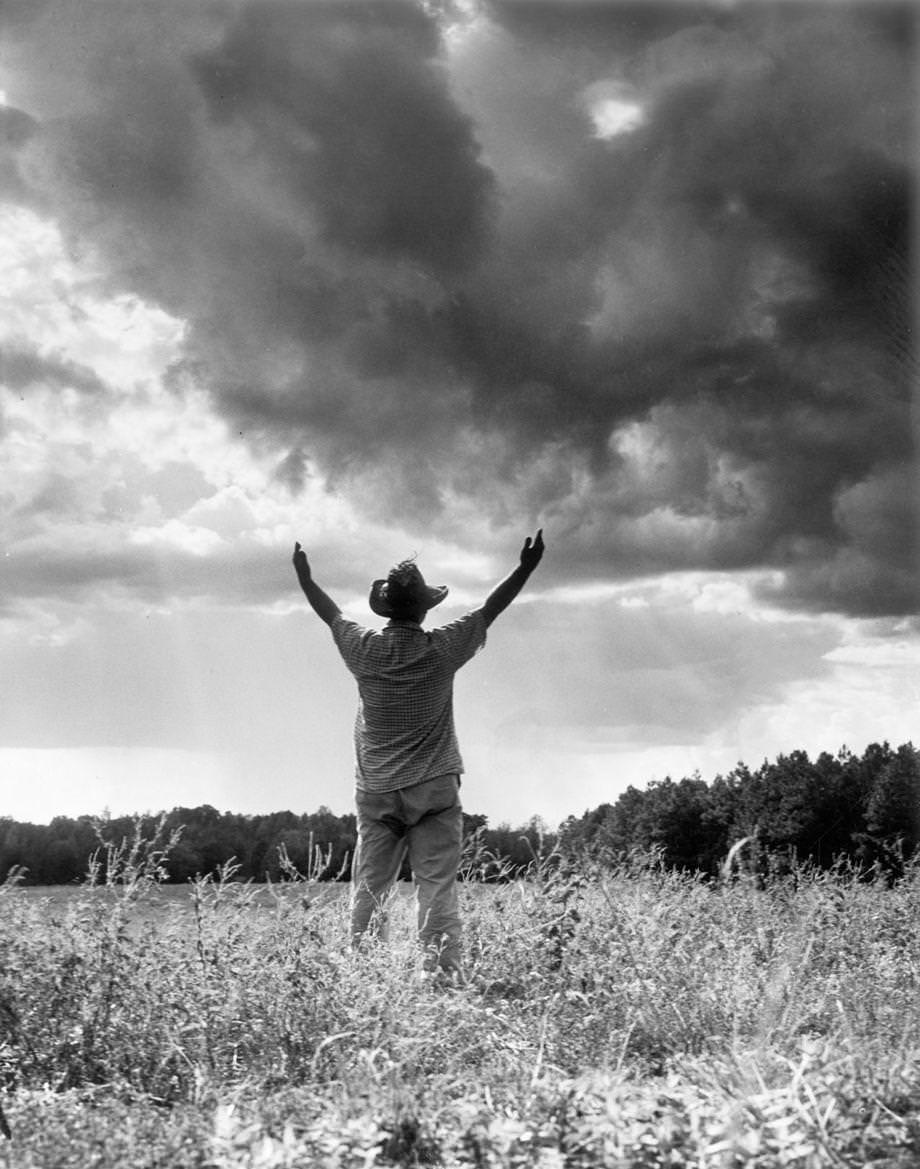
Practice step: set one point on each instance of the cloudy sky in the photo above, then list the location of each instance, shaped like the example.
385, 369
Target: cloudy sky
398, 277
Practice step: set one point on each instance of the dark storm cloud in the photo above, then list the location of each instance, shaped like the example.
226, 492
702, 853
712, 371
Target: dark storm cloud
297, 183
770, 197
418, 266
80, 568
355, 120
16, 128
22, 368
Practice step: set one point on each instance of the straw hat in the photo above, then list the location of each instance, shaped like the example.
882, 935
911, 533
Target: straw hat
404, 590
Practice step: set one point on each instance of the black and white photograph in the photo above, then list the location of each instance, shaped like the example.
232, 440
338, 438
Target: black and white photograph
459, 584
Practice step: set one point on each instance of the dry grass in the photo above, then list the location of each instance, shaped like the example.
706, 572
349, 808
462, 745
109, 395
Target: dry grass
636, 1018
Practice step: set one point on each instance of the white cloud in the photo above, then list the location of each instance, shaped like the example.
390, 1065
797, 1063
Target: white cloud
900, 654
102, 453
175, 534
58, 303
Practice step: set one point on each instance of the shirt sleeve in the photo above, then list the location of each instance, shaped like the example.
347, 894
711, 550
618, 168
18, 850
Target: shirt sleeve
350, 638
461, 639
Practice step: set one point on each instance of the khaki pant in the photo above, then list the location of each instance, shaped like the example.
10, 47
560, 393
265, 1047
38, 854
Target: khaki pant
427, 821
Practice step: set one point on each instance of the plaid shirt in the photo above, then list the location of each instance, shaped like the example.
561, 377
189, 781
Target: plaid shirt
404, 731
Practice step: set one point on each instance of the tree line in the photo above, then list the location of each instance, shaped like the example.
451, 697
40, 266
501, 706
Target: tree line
862, 808
202, 841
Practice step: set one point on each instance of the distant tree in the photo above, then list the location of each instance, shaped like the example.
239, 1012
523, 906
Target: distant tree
578, 837
893, 812
61, 861
626, 827
683, 828
473, 823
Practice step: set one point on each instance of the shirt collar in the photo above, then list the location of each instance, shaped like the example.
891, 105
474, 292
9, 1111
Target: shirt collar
402, 623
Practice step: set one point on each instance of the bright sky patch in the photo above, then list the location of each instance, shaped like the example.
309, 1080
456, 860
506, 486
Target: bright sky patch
613, 116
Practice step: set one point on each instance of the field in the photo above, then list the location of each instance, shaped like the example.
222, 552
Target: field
627, 1018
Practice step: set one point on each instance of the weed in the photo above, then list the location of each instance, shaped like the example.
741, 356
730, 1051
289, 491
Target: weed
625, 1017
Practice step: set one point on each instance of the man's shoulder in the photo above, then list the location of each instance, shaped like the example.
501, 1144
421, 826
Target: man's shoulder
473, 618
341, 621
344, 630
470, 627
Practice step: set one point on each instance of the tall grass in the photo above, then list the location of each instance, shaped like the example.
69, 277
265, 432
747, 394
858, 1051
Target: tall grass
638, 1017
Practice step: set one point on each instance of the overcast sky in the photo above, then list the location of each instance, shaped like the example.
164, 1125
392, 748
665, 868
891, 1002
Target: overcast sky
397, 277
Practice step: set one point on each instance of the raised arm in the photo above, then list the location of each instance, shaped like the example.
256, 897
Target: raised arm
323, 605
503, 594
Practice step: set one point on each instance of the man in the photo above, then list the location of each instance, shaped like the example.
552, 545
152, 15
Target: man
408, 765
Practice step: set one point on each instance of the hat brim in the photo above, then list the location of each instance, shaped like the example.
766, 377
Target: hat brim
380, 604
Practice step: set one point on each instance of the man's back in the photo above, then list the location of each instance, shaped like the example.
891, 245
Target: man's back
404, 730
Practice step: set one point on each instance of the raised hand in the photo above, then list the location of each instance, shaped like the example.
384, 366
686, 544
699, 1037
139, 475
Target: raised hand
322, 604
301, 564
532, 552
